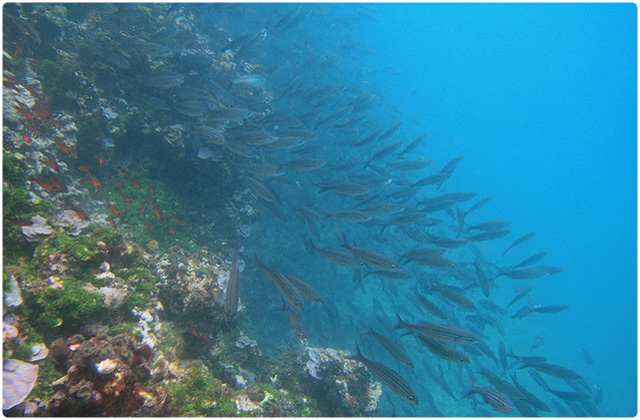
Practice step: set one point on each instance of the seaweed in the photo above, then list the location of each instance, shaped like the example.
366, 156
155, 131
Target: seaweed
200, 394
70, 307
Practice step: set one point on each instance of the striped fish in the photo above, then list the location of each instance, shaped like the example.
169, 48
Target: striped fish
304, 165
305, 290
443, 351
371, 258
387, 376
494, 398
337, 256
454, 296
531, 399
151, 49
392, 348
345, 188
282, 283
393, 275
518, 241
258, 189
553, 370
350, 216
231, 292
209, 134
431, 307
440, 332
295, 322
489, 235
531, 260
436, 262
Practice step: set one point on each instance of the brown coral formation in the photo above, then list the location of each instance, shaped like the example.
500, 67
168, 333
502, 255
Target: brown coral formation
105, 376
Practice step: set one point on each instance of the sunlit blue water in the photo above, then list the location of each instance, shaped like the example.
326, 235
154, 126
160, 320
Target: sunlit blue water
541, 101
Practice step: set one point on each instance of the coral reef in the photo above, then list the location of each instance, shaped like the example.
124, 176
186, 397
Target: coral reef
106, 376
116, 245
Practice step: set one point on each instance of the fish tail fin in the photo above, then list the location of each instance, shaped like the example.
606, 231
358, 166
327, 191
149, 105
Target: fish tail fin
472, 387
357, 355
545, 386
258, 262
368, 332
284, 305
310, 246
401, 322
322, 189
345, 243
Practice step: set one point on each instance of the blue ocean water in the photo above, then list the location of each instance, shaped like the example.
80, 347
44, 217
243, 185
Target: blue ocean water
541, 101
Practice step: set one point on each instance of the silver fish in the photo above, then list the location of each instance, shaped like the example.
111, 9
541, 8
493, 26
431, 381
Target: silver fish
371, 258
295, 322
231, 292
392, 348
388, 377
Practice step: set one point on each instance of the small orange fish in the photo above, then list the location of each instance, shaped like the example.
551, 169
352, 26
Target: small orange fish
194, 332
157, 211
127, 199
94, 181
52, 163
85, 168
26, 137
135, 184
151, 191
110, 206
81, 214
143, 210
19, 221
180, 222
100, 159
27, 114
58, 182
66, 149
47, 184
42, 112
10, 84
206, 338
114, 209
172, 231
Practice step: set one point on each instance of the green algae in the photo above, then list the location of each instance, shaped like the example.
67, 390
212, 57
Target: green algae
47, 374
70, 306
200, 394
123, 328
77, 249
139, 219
135, 300
16, 203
